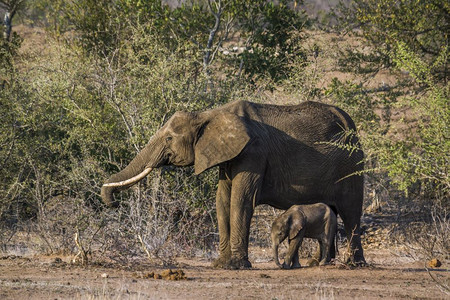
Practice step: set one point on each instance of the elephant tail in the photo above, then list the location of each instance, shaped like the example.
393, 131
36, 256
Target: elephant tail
336, 243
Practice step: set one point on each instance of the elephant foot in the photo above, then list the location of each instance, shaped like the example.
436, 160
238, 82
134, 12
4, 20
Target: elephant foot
238, 264
359, 260
313, 262
221, 262
296, 265
284, 266
353, 261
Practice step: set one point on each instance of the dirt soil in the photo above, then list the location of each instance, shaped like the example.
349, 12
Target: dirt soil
387, 276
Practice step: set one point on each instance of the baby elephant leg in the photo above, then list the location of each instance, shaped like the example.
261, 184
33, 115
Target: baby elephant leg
324, 251
290, 255
327, 238
314, 261
296, 261
292, 260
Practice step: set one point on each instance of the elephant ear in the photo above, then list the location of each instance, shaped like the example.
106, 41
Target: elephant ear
297, 224
221, 139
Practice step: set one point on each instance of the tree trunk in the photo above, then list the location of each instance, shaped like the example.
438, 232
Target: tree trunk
8, 26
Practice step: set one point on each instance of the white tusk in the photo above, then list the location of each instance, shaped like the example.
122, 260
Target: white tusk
131, 180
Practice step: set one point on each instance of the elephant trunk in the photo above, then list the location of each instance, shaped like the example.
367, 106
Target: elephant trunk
148, 158
275, 254
108, 189
107, 196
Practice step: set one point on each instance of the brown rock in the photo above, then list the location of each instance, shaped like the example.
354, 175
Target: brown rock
434, 263
172, 277
57, 260
149, 275
169, 275
166, 273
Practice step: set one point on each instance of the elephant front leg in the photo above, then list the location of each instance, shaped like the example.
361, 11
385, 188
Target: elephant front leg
296, 261
241, 215
223, 218
244, 194
292, 259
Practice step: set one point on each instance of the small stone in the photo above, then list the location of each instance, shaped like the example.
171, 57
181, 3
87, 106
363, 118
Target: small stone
148, 275
104, 275
166, 273
57, 260
434, 263
172, 277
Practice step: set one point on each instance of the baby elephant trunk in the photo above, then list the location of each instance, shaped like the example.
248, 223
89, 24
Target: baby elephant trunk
275, 255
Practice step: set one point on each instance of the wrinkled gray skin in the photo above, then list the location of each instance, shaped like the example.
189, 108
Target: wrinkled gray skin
316, 221
267, 154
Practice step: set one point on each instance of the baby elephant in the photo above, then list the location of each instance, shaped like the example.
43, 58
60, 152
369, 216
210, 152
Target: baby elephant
315, 221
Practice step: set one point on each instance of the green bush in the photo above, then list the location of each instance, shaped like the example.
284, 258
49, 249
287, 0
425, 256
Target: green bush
421, 25
413, 150
423, 154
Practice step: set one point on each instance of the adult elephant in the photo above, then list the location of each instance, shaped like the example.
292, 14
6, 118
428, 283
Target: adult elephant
267, 154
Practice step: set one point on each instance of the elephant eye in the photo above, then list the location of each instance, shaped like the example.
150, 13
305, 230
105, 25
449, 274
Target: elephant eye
168, 139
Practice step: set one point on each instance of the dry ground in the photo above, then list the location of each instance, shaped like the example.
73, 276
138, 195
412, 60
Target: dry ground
388, 276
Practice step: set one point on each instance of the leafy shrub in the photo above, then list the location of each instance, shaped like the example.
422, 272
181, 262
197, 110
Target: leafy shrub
422, 26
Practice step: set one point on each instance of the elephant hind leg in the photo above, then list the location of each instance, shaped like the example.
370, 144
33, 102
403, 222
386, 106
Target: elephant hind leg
352, 225
329, 236
333, 244
349, 207
315, 260
324, 248
333, 250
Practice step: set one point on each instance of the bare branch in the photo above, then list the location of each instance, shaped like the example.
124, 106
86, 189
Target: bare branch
217, 15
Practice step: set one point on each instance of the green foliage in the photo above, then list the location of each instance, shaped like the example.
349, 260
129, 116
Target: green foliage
268, 31
105, 25
271, 31
423, 155
8, 50
11, 131
421, 25
414, 149
407, 37
357, 102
